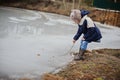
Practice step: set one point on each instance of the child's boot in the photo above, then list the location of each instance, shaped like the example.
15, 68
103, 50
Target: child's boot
81, 54
76, 57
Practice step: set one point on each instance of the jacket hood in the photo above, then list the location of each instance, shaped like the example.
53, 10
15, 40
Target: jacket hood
84, 12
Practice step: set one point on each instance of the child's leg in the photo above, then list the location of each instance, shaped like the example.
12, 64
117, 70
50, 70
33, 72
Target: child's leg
83, 45
82, 49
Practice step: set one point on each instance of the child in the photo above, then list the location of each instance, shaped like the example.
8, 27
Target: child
86, 27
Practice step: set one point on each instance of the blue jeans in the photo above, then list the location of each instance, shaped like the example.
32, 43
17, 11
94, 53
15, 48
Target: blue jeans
83, 45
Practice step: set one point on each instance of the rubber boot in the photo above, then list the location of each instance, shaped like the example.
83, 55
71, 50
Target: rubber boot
79, 56
76, 57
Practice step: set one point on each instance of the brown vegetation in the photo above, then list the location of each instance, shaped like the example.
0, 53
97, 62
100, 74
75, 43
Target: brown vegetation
97, 66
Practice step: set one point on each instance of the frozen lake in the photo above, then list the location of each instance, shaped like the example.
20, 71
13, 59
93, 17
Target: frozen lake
25, 33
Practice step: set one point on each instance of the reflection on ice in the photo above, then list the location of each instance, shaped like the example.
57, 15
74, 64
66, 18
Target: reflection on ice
17, 20
22, 30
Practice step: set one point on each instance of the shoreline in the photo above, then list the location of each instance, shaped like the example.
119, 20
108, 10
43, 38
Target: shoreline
103, 16
96, 22
90, 69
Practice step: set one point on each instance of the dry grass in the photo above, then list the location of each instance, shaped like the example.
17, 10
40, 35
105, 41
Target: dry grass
25, 79
112, 52
51, 77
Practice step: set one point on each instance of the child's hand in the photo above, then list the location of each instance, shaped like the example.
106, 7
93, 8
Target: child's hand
74, 41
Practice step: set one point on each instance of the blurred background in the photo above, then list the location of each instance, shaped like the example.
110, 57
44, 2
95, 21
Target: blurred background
104, 11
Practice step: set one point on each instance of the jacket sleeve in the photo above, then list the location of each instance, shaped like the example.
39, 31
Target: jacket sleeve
78, 34
80, 30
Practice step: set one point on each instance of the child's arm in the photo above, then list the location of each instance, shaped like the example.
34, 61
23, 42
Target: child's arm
78, 34
80, 31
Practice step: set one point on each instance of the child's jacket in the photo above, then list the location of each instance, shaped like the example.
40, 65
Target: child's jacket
88, 28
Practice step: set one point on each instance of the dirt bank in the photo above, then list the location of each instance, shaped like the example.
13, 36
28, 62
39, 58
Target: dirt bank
103, 16
101, 64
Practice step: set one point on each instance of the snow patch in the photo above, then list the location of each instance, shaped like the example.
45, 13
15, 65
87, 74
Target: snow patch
17, 19
107, 10
106, 25
61, 21
30, 18
13, 21
49, 23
